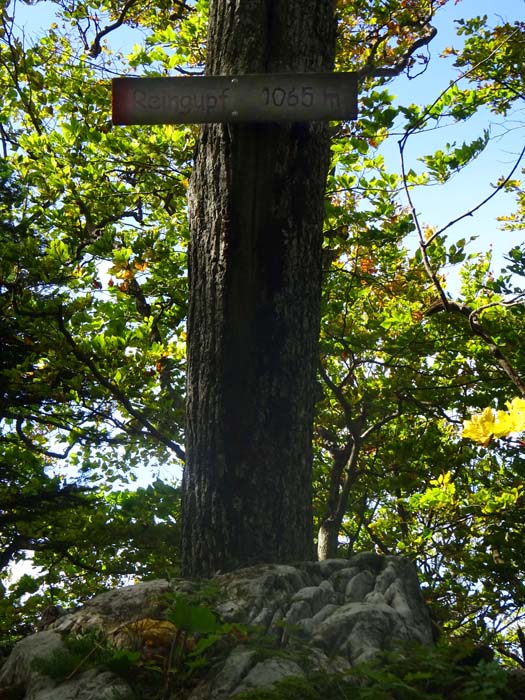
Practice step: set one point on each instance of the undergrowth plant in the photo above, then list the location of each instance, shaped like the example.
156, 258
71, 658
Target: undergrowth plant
414, 672
161, 655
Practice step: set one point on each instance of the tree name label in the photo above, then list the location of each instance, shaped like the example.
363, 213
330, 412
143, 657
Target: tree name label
245, 98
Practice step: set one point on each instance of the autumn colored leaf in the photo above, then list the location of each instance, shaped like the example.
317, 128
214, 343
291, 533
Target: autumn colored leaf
488, 424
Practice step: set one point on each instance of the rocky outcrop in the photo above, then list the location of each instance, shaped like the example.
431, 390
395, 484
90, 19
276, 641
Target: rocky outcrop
326, 615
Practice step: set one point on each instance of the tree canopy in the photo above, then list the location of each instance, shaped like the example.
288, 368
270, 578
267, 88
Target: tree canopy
94, 299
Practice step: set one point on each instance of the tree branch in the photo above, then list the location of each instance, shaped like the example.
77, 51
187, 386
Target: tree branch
117, 393
444, 303
473, 318
401, 65
96, 47
487, 199
34, 448
337, 392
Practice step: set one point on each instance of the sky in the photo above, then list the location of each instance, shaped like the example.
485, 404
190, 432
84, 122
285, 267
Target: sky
438, 205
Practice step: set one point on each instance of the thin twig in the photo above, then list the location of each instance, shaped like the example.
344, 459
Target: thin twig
115, 391
82, 661
34, 448
465, 74
422, 244
425, 243
471, 212
477, 329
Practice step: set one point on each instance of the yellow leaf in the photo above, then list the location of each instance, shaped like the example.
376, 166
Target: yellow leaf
480, 428
444, 481
516, 404
429, 231
517, 411
505, 424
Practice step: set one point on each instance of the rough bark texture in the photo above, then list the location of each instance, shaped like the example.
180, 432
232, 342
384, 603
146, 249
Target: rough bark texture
256, 210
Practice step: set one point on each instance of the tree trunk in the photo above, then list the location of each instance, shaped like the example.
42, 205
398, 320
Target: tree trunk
343, 476
256, 213
327, 540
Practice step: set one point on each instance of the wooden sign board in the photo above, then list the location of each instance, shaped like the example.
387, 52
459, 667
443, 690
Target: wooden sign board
267, 97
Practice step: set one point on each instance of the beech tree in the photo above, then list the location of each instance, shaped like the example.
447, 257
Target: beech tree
256, 207
256, 220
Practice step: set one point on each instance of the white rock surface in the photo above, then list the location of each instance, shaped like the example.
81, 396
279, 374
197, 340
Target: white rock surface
326, 615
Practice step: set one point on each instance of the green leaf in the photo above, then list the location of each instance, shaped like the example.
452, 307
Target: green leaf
193, 619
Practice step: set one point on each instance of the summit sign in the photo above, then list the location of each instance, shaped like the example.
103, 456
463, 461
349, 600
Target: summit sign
267, 97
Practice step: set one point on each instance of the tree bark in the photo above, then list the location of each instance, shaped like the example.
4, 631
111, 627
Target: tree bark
327, 540
343, 476
256, 213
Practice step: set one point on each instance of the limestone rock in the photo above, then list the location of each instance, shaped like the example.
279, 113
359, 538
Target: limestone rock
326, 615
333, 614
266, 673
112, 609
17, 669
90, 685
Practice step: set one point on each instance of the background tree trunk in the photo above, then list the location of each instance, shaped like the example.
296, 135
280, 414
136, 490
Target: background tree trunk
256, 214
